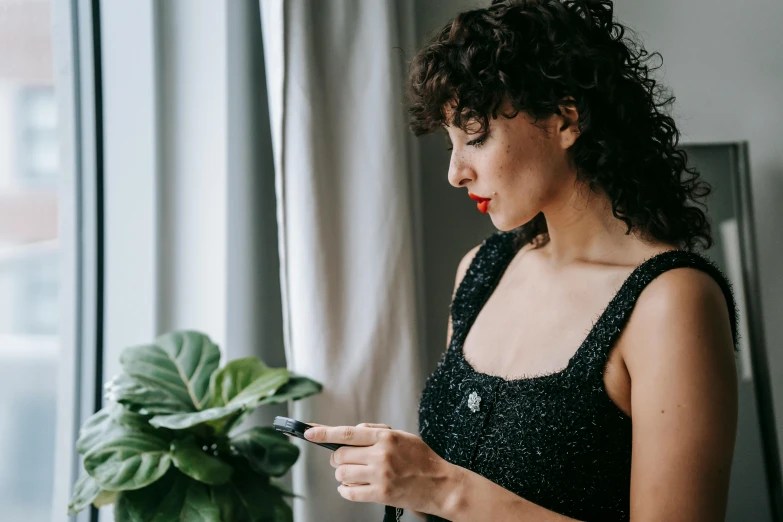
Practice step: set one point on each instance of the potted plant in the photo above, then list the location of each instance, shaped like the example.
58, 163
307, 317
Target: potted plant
164, 448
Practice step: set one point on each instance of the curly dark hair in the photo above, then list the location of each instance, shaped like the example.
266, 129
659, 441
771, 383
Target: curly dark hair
535, 54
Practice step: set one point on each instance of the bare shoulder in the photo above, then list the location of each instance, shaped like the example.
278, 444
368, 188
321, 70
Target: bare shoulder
681, 288
682, 303
679, 354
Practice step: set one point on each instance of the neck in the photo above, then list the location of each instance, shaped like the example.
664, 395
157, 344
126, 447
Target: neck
582, 228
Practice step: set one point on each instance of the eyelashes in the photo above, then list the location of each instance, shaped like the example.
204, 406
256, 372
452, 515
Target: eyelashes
477, 143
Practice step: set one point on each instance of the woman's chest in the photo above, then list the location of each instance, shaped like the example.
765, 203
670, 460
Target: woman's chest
528, 327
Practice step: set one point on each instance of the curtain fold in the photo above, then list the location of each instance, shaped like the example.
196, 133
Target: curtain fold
345, 209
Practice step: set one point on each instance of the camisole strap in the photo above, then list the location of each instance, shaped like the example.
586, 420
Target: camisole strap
610, 324
481, 277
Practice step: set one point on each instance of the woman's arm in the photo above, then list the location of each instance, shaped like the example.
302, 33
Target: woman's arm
678, 350
680, 357
473, 497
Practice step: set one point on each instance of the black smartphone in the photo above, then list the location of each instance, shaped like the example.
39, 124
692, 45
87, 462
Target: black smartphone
297, 429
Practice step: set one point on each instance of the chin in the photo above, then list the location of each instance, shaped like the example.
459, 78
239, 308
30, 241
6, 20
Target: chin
502, 224
506, 223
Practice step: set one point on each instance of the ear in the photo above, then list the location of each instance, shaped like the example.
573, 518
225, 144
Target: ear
569, 128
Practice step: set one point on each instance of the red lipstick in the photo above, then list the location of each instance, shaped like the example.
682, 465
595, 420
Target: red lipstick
481, 203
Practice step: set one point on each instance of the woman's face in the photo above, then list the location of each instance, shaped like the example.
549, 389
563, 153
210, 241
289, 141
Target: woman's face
521, 166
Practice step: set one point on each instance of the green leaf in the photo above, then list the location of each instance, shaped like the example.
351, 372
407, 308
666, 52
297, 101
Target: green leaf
161, 501
245, 379
229, 423
105, 498
198, 505
122, 416
256, 502
245, 503
148, 398
266, 450
110, 422
84, 492
234, 377
246, 398
92, 431
265, 385
195, 463
296, 388
248, 497
223, 497
181, 421
179, 365
131, 461
283, 512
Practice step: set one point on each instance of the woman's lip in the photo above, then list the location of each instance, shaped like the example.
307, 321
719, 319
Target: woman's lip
474, 197
482, 204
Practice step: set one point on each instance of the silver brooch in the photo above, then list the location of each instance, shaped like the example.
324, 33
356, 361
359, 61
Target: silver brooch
473, 402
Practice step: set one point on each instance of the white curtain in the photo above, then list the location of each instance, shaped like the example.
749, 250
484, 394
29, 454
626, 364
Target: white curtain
345, 211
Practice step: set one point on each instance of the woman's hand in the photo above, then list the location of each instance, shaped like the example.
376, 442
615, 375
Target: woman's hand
385, 466
371, 425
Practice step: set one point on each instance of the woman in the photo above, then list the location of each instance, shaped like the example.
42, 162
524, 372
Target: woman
590, 368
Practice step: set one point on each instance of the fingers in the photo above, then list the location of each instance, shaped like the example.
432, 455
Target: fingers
362, 425
349, 455
350, 435
308, 423
357, 493
373, 425
353, 474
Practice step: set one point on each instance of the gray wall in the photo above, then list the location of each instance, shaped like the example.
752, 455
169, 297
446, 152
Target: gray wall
724, 62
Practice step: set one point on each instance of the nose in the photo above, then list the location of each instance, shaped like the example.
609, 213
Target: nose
460, 173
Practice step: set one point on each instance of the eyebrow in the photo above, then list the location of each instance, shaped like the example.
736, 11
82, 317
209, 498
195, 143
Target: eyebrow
448, 138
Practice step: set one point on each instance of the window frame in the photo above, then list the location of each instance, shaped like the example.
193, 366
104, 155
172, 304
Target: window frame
77, 79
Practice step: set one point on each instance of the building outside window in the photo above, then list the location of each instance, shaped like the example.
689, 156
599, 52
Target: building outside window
29, 261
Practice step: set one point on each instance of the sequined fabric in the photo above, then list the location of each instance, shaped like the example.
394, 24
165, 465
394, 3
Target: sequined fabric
555, 439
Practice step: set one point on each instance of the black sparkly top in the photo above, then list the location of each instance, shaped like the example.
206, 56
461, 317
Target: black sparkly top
555, 439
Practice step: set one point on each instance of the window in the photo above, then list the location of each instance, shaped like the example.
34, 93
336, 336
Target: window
36, 131
29, 261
